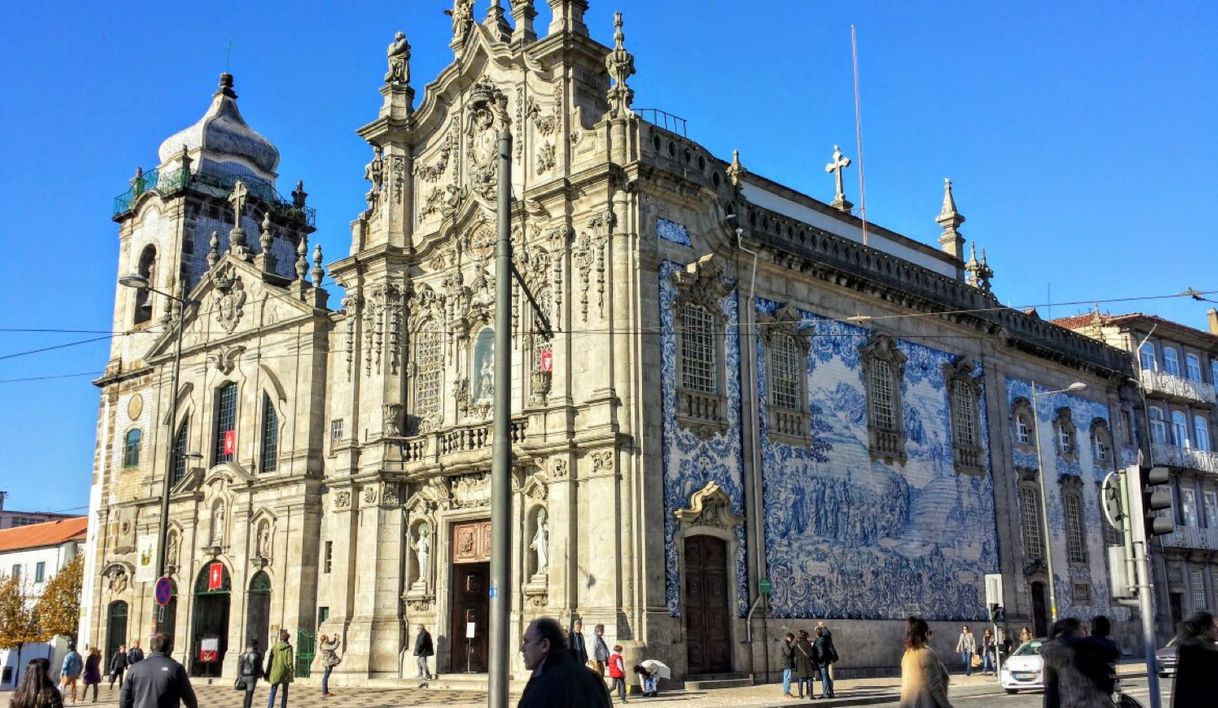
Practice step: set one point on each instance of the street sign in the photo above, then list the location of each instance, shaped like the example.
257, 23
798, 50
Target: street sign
763, 586
163, 591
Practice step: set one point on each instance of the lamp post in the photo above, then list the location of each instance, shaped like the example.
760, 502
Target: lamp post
1044, 499
141, 283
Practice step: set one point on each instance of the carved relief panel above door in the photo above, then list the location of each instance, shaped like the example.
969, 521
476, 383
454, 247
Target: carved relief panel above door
472, 541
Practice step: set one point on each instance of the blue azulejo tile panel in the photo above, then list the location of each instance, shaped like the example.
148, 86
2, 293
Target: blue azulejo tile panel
850, 537
691, 462
1085, 466
673, 231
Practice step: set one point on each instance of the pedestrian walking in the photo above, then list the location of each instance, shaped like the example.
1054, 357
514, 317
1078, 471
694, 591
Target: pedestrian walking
988, 646
118, 666
249, 670
805, 664
788, 664
600, 650
1101, 654
330, 659
617, 672
826, 656
92, 673
134, 655
422, 649
923, 676
37, 690
1069, 674
280, 668
556, 680
579, 648
158, 680
1197, 668
966, 647
70, 670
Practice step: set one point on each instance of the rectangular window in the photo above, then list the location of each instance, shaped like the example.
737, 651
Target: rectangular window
179, 452
1171, 361
1214, 371
786, 364
226, 423
1076, 547
16, 571
964, 407
336, 429
270, 435
1023, 432
883, 401
698, 349
1029, 515
1193, 366
429, 358
323, 614
1197, 585
131, 448
1158, 426
1082, 594
1148, 357
1201, 433
1211, 509
40, 572
328, 562
1188, 507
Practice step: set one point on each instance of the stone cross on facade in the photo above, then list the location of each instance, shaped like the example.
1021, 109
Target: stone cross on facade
840, 162
237, 198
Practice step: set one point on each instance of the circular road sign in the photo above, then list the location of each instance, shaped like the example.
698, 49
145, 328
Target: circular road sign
163, 591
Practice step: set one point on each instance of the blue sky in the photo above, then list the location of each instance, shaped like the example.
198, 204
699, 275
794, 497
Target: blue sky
1080, 137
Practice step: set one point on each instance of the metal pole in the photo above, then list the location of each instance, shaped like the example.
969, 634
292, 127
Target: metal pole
501, 465
167, 483
1044, 507
1144, 582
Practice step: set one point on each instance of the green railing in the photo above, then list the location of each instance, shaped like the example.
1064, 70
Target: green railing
306, 649
214, 180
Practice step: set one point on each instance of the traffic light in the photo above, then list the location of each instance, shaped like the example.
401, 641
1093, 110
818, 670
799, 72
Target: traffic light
1155, 499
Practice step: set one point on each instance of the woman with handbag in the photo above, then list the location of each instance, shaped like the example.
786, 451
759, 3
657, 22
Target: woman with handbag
249, 671
330, 657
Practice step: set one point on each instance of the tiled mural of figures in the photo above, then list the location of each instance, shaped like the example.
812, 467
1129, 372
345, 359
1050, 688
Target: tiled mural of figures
690, 461
1091, 471
848, 537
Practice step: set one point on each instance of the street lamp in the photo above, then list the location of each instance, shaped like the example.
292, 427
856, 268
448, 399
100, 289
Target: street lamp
139, 282
1044, 499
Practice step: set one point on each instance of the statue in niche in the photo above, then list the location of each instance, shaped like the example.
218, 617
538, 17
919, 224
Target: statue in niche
399, 60
484, 365
171, 551
264, 541
217, 525
540, 542
422, 548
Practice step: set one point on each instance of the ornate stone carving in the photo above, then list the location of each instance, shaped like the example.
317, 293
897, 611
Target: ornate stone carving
350, 303
436, 170
397, 169
703, 283
398, 55
486, 116
225, 358
558, 468
545, 158
342, 499
602, 461
389, 494
117, 578
463, 19
419, 604
370, 495
230, 303
392, 417
588, 253
620, 64
709, 506
471, 490
374, 173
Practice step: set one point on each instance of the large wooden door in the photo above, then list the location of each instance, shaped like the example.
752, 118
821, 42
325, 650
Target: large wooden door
471, 574
1040, 618
707, 642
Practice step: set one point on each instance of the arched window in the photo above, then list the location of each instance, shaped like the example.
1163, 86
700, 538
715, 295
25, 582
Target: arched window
270, 435
1021, 422
179, 451
883, 368
964, 396
147, 270
1171, 361
1158, 425
1179, 429
226, 423
131, 448
1063, 426
1201, 433
1192, 365
698, 349
429, 371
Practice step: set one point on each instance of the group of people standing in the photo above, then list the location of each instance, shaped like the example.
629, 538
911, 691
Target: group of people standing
981, 653
803, 659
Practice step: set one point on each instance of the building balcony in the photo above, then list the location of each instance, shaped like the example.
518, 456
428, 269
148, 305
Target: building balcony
1167, 384
1192, 537
431, 447
1184, 457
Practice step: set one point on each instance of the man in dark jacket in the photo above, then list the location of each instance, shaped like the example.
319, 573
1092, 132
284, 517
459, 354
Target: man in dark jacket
423, 649
1098, 654
826, 654
134, 655
158, 681
557, 681
118, 666
788, 664
579, 648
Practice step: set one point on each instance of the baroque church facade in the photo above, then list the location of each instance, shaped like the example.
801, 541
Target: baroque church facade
736, 409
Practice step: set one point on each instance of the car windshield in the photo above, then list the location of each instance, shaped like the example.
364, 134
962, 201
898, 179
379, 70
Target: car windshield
1029, 648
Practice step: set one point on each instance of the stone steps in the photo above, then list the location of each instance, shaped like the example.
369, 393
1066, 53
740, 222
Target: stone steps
710, 682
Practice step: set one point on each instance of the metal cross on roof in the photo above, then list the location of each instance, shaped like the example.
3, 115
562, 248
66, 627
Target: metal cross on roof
840, 162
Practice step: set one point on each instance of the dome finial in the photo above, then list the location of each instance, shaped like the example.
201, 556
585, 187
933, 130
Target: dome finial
226, 85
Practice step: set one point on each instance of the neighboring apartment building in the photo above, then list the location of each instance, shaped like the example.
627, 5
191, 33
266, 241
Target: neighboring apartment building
36, 552
1178, 368
11, 519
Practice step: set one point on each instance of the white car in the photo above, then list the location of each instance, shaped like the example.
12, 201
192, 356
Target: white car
1024, 669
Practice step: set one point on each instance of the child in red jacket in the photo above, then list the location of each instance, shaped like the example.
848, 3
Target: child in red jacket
617, 672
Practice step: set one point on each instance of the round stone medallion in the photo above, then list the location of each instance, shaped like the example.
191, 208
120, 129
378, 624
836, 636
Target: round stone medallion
135, 406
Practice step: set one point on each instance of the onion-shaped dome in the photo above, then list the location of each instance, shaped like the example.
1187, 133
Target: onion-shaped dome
222, 137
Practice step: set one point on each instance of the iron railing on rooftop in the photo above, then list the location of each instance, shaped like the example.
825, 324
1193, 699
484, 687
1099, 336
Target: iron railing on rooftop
218, 182
664, 119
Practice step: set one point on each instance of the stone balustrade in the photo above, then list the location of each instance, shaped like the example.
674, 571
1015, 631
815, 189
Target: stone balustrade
461, 439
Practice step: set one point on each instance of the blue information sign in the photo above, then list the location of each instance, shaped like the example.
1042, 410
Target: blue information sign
163, 591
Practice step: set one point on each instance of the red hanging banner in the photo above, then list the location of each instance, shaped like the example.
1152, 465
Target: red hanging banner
230, 442
215, 576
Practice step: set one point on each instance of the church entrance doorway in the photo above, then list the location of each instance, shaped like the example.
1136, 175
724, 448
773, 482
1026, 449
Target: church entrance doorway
1040, 620
258, 614
707, 645
209, 628
471, 573
116, 628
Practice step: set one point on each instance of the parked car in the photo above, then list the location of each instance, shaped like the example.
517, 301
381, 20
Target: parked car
1024, 669
1167, 657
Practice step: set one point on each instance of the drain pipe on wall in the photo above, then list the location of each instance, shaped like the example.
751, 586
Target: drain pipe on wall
754, 433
